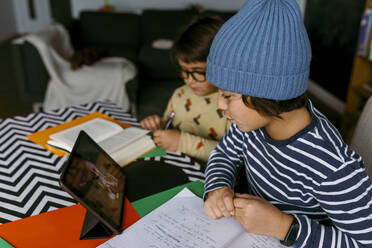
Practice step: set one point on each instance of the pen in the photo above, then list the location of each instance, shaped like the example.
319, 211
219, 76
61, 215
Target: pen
169, 121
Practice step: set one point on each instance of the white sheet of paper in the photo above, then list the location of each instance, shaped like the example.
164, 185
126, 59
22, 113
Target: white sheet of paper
182, 222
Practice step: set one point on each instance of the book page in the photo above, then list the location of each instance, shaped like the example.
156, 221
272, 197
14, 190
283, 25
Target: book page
181, 222
134, 150
121, 139
98, 129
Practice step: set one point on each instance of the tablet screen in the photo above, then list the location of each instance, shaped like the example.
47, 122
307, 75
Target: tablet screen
96, 181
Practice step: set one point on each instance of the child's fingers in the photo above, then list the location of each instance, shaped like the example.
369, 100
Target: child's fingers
212, 212
241, 202
229, 206
152, 122
222, 210
158, 122
244, 202
246, 196
225, 206
146, 123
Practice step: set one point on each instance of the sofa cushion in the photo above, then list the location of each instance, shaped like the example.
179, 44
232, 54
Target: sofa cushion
154, 96
110, 29
32, 76
122, 51
157, 63
116, 51
163, 24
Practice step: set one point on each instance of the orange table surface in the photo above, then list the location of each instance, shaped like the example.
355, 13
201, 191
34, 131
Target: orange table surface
57, 228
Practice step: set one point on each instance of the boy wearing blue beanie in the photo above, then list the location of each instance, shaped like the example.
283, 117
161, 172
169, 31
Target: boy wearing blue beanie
306, 187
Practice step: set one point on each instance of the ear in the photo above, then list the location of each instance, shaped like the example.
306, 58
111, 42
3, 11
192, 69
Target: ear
247, 100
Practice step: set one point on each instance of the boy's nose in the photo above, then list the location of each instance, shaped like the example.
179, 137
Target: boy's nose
221, 104
189, 80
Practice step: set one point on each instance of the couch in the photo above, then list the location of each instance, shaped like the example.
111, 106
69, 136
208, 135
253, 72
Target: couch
121, 34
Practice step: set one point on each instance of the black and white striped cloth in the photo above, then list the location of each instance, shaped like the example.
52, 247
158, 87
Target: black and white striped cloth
29, 174
314, 175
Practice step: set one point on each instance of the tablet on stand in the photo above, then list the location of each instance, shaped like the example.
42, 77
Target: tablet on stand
98, 183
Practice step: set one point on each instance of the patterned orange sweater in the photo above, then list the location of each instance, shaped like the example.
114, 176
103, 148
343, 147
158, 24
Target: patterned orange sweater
201, 123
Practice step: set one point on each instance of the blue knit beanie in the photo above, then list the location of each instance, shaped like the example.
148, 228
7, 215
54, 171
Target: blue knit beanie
262, 51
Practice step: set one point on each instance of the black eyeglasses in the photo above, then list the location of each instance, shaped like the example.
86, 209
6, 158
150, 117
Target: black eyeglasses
198, 76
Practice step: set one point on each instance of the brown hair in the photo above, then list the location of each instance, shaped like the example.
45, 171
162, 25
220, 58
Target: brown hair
273, 108
193, 44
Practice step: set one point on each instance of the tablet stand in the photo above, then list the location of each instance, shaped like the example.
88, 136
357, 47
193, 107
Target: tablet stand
93, 228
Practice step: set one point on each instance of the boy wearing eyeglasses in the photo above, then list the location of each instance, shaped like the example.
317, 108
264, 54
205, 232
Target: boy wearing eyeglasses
198, 123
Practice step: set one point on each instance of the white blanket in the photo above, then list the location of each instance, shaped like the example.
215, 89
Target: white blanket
104, 80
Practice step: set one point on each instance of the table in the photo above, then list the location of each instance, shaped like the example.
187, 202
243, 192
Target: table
29, 174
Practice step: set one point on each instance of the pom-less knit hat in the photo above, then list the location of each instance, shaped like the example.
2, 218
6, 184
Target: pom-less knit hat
262, 51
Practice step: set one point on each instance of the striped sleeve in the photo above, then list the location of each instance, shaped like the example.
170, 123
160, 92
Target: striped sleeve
349, 208
224, 161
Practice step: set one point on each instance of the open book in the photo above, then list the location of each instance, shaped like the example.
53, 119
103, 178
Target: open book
123, 145
182, 222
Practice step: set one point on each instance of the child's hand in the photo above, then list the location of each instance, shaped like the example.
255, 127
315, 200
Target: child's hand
220, 203
167, 139
258, 216
152, 122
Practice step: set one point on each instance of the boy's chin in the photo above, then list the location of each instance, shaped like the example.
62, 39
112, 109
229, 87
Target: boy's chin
199, 93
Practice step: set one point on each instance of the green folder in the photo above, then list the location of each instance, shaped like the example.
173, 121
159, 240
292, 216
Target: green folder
148, 204
4, 244
156, 152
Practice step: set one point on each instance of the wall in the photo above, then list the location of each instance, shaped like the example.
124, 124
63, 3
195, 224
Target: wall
15, 18
138, 5
24, 21
8, 26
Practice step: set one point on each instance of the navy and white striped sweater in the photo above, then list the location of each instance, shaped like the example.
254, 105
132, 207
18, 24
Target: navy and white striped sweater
314, 175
